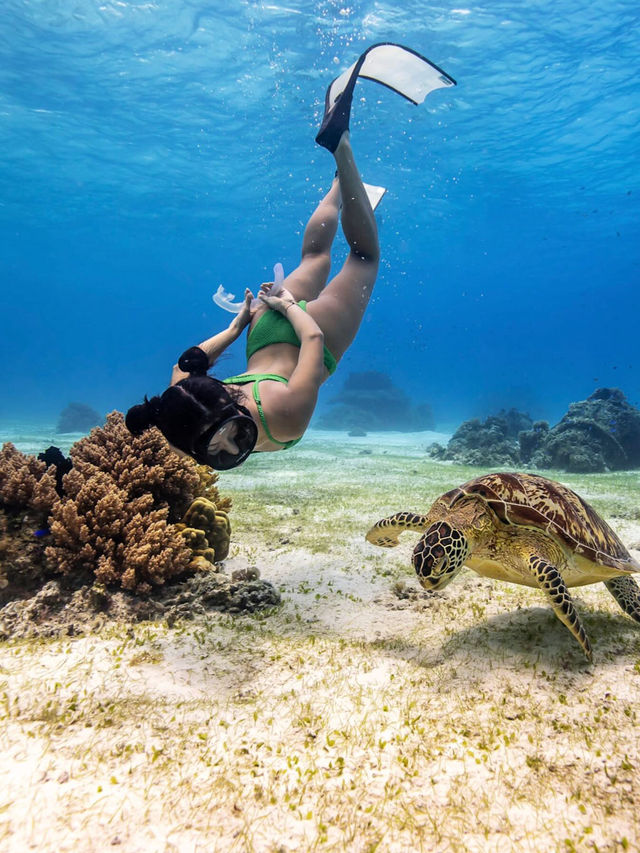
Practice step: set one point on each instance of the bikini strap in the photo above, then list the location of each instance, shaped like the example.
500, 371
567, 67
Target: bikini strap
256, 378
263, 420
245, 378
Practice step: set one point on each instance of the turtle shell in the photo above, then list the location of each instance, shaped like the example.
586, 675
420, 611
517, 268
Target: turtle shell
527, 499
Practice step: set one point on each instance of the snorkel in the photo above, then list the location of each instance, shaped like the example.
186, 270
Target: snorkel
224, 299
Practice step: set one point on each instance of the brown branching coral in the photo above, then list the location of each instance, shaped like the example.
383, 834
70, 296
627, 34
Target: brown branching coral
140, 465
25, 482
122, 500
27, 494
209, 490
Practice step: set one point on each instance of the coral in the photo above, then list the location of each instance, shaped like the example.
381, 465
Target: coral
370, 401
208, 489
132, 517
123, 498
22, 561
489, 443
27, 495
516, 421
78, 417
25, 482
597, 434
601, 433
204, 517
531, 440
56, 611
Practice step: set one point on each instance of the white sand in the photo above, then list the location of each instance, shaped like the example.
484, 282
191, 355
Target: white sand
350, 719
35, 436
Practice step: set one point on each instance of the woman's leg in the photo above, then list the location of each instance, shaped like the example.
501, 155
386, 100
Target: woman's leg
308, 279
339, 308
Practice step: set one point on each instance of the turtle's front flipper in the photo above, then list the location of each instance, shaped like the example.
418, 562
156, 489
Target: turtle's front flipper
551, 583
627, 593
386, 533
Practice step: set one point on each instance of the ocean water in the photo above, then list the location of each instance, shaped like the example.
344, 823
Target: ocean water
150, 152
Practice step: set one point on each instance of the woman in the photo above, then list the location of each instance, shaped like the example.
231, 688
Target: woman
296, 338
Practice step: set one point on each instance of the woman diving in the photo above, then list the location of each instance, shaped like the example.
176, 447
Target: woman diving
296, 336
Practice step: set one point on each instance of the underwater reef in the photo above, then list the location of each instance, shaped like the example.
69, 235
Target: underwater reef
78, 417
601, 433
132, 526
490, 443
370, 401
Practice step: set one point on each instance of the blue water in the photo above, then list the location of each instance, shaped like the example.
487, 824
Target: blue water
152, 151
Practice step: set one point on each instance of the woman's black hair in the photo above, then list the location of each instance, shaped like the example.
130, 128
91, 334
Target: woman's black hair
185, 409
142, 417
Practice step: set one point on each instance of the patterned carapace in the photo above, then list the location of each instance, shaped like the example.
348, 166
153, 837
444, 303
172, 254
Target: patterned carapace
536, 501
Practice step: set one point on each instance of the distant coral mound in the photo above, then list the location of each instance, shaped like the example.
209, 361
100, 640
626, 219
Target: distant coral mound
370, 401
601, 433
78, 417
491, 443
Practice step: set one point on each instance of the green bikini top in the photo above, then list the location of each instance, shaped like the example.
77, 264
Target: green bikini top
257, 378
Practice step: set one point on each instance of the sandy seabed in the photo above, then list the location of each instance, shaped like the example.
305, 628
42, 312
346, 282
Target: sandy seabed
362, 714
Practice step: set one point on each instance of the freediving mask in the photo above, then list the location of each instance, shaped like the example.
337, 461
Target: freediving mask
226, 445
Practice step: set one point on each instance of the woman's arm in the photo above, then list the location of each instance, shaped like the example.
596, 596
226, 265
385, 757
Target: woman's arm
302, 389
216, 345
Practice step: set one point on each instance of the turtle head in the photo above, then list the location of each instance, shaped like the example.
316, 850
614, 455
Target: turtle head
439, 555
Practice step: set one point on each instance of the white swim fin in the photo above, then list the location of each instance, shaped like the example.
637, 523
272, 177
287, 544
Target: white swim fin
374, 194
399, 68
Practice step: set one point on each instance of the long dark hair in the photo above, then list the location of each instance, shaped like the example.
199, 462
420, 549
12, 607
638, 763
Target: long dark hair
186, 408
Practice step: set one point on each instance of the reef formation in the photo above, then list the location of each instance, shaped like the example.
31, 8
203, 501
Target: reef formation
78, 417
117, 534
601, 433
370, 401
490, 443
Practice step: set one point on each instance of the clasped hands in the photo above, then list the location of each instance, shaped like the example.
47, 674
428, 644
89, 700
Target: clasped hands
281, 303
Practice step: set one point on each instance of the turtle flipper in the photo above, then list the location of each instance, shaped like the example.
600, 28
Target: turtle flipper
627, 593
550, 582
386, 533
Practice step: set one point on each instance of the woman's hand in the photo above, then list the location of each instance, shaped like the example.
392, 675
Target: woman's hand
281, 302
243, 317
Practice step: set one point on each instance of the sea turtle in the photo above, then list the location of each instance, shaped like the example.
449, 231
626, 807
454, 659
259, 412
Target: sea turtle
524, 529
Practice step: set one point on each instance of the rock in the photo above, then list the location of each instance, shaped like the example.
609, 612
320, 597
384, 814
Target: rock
370, 401
601, 433
215, 591
489, 443
57, 611
532, 440
78, 417
23, 567
250, 574
99, 597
